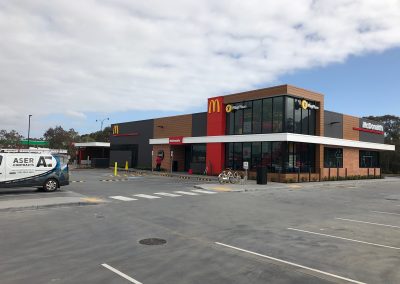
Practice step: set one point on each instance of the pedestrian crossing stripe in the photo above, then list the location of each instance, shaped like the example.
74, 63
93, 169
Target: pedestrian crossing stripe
166, 194
122, 198
204, 191
146, 196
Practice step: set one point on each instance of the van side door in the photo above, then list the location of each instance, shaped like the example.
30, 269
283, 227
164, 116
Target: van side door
2, 168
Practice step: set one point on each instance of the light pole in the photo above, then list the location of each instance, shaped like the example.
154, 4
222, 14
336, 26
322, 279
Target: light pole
29, 127
101, 122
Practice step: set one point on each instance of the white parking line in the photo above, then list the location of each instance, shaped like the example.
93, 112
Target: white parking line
389, 213
146, 196
122, 198
186, 192
123, 275
167, 194
292, 264
370, 223
346, 239
204, 191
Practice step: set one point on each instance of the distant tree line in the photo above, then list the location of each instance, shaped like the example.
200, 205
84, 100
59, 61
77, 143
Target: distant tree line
390, 161
60, 138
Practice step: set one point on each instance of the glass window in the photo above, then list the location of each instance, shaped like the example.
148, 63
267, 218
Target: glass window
312, 118
229, 155
198, 153
304, 121
247, 118
267, 116
278, 114
230, 123
257, 111
277, 156
333, 157
266, 155
256, 155
239, 121
297, 116
237, 156
291, 162
1, 159
289, 115
369, 159
247, 153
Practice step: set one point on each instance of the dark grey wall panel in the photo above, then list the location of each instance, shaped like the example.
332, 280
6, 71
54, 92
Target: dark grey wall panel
371, 137
144, 131
199, 124
333, 124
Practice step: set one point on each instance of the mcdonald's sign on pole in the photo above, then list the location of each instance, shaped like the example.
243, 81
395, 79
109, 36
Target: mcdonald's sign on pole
214, 105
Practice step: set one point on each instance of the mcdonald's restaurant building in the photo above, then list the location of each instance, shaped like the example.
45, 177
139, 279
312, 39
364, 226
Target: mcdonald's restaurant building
284, 128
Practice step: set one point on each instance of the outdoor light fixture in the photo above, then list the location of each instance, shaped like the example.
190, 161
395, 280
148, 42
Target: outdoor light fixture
160, 126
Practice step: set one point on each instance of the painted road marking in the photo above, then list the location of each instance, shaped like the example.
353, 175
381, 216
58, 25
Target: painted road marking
122, 198
186, 192
292, 264
167, 194
221, 188
346, 239
370, 223
204, 191
389, 213
146, 196
123, 275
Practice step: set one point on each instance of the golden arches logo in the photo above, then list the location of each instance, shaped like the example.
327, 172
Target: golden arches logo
214, 106
228, 108
304, 104
115, 129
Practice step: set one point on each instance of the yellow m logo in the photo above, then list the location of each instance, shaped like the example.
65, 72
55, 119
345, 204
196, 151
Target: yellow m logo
115, 129
214, 106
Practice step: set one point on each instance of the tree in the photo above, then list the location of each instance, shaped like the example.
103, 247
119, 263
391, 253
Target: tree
390, 161
98, 136
10, 139
61, 139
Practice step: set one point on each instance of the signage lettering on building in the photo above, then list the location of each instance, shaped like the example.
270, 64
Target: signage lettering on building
230, 108
177, 140
307, 105
369, 125
214, 106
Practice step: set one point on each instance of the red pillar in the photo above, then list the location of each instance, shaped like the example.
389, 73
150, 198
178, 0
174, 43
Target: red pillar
216, 124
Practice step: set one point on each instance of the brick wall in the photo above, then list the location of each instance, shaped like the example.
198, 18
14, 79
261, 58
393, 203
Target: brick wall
180, 125
348, 123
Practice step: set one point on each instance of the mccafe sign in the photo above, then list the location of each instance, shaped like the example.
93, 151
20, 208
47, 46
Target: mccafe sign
371, 126
230, 108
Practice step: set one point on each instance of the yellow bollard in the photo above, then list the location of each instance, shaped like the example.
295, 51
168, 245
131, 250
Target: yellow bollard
115, 168
126, 166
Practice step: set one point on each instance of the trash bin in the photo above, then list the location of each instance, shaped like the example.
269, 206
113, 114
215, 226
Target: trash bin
262, 175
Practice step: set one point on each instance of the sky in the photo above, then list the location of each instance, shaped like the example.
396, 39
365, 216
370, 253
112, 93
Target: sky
71, 63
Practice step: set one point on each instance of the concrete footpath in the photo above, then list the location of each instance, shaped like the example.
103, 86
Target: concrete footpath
38, 203
251, 185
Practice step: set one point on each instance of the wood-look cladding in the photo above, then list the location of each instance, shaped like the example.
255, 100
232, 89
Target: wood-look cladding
348, 123
180, 125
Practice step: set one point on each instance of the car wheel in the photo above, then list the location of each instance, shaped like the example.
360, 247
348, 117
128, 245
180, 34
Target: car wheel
50, 185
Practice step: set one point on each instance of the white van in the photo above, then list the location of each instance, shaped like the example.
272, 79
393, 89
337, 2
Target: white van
24, 168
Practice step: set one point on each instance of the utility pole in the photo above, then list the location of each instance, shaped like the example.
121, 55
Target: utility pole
29, 127
101, 122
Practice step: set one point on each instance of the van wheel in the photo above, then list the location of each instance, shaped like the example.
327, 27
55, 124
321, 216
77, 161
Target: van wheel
50, 185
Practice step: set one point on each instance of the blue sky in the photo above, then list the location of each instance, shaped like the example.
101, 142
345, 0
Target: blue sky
70, 63
360, 86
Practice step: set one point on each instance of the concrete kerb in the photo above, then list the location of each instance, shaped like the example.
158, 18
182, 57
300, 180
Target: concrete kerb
34, 204
177, 175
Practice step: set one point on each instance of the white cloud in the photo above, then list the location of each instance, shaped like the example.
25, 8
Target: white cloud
70, 58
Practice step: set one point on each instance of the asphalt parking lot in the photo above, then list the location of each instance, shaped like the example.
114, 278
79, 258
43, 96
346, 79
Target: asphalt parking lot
344, 232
